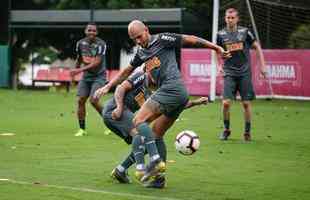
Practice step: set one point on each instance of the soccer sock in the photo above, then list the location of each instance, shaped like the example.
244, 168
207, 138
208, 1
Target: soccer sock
138, 151
145, 131
247, 128
226, 124
161, 147
130, 160
82, 123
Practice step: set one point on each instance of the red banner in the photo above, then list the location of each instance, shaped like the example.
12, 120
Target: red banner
289, 73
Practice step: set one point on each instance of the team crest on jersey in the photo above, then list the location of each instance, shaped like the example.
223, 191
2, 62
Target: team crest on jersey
152, 64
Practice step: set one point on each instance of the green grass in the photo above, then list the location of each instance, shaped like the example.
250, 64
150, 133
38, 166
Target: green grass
45, 161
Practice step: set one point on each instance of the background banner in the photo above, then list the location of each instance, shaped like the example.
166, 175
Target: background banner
289, 72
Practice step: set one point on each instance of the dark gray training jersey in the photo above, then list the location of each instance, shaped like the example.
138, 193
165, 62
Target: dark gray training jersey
160, 59
134, 98
87, 51
239, 44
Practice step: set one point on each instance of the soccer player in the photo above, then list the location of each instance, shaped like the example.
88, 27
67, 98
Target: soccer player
118, 114
90, 60
237, 71
157, 52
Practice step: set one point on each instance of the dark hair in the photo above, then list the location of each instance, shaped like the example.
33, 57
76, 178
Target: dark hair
232, 10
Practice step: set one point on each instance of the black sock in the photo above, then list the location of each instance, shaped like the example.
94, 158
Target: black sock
130, 160
82, 123
247, 127
162, 149
226, 124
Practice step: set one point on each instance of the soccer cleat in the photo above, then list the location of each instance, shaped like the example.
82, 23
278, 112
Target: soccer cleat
154, 168
247, 137
81, 132
159, 182
121, 177
225, 134
139, 174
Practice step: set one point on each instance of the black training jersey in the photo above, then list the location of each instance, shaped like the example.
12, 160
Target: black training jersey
239, 44
139, 93
87, 51
160, 59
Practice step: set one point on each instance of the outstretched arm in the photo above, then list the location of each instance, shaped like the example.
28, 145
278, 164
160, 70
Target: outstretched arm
191, 40
94, 63
121, 76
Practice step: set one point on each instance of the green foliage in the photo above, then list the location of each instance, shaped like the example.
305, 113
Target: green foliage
300, 38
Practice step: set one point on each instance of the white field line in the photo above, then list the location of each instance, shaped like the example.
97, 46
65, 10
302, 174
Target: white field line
136, 196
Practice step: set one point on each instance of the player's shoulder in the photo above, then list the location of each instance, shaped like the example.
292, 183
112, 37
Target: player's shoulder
167, 36
242, 29
222, 32
82, 41
100, 41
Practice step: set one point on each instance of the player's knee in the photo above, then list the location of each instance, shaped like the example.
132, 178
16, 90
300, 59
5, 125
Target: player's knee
246, 105
226, 104
81, 101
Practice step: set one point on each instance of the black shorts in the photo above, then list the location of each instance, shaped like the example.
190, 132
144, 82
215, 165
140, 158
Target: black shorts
87, 88
241, 84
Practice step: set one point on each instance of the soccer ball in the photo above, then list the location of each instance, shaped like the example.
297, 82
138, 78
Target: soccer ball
187, 142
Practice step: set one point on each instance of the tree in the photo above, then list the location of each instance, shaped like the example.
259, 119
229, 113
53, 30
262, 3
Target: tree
300, 38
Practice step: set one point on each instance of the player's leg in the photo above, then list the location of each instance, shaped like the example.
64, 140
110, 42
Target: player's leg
122, 128
247, 95
95, 101
160, 127
247, 110
229, 93
149, 111
83, 93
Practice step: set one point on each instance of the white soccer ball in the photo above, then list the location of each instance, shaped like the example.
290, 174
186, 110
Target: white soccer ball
187, 142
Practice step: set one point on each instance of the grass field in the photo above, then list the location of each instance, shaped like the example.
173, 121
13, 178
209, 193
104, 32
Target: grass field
44, 161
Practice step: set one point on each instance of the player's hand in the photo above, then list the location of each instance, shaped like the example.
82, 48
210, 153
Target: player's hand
117, 113
220, 70
224, 54
202, 100
101, 92
263, 73
74, 72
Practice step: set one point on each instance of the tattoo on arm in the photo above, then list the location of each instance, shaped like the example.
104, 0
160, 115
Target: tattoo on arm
201, 42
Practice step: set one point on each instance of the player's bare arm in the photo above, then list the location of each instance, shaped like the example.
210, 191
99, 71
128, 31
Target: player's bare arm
260, 57
195, 41
119, 95
95, 62
121, 76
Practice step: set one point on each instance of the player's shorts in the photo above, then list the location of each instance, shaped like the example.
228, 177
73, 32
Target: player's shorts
172, 99
241, 84
87, 88
121, 127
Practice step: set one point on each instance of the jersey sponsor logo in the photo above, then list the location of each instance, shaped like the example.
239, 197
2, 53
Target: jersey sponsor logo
168, 38
138, 79
152, 64
236, 46
140, 98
